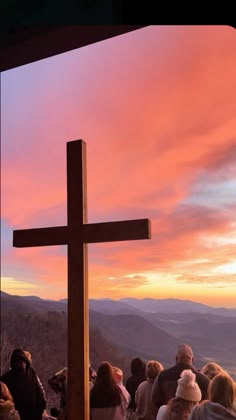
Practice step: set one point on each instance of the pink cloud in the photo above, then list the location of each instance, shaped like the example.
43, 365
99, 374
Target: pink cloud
156, 108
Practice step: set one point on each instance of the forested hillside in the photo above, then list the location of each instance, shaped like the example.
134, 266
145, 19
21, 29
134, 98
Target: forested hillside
45, 336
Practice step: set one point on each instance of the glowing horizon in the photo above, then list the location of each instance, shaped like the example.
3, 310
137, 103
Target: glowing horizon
156, 108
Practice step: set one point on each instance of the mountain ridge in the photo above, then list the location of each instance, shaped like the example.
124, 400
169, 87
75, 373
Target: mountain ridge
168, 305
176, 305
124, 305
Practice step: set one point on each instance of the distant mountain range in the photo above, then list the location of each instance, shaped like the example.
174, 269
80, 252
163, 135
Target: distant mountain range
176, 306
165, 306
151, 328
122, 306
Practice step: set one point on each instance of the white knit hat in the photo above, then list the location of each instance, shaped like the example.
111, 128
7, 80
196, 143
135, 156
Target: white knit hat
188, 388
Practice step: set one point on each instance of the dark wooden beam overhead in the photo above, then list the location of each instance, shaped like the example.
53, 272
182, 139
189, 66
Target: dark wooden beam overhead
24, 44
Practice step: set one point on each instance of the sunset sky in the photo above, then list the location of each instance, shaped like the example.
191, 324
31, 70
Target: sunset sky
157, 110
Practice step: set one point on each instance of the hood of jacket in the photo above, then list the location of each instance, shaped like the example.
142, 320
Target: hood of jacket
17, 355
214, 411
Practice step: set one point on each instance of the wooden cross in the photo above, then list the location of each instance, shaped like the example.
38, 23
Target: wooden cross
76, 235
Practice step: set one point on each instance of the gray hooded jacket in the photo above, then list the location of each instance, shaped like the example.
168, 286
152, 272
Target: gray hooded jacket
211, 411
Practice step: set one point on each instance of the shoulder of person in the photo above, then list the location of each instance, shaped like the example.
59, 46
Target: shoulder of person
201, 376
166, 372
6, 375
142, 384
161, 412
199, 409
31, 371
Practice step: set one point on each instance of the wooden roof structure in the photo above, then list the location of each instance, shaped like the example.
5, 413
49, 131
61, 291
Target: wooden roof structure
24, 44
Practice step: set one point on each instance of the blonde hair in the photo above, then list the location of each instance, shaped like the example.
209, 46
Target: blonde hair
153, 369
179, 409
28, 355
223, 390
118, 374
5, 393
212, 369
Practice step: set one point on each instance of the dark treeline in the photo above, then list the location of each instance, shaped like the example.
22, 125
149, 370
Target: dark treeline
45, 336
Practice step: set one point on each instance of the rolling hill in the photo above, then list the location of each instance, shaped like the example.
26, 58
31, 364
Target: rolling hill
135, 335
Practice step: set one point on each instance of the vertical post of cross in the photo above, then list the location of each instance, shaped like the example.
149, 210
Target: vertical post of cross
78, 326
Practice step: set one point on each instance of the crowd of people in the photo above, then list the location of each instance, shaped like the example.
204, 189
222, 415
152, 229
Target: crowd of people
152, 392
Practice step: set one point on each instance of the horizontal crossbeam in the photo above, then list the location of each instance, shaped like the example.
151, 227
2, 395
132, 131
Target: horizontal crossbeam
126, 230
40, 237
88, 233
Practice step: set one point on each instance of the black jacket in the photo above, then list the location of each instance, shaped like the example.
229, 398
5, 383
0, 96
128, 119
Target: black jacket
138, 375
165, 384
25, 389
132, 384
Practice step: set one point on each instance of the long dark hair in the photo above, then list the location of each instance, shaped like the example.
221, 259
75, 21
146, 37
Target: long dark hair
105, 392
178, 409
